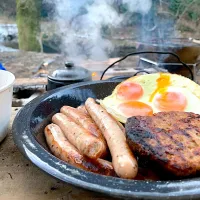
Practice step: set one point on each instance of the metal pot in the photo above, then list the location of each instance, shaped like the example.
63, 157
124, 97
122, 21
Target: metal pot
67, 75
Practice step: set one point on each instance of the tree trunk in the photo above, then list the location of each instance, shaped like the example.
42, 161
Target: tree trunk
28, 22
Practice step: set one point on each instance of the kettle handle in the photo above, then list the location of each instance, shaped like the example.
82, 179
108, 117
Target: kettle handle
148, 52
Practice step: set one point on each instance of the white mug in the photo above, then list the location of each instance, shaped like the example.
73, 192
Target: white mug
6, 90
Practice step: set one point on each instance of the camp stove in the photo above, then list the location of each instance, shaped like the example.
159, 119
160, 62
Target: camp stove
178, 68
147, 65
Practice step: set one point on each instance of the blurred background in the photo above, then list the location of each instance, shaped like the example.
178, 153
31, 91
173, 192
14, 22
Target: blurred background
39, 36
85, 29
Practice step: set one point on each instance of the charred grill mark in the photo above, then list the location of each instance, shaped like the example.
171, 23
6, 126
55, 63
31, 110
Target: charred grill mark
143, 143
175, 141
178, 147
170, 139
197, 152
179, 130
159, 147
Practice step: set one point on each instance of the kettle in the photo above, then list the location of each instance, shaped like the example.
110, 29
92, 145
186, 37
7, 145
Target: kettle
66, 75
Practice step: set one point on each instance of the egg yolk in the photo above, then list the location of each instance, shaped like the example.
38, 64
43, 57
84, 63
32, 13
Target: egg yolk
162, 82
135, 108
170, 101
129, 91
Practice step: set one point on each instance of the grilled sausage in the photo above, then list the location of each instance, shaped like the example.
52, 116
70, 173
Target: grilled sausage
124, 163
118, 123
83, 109
85, 121
61, 148
82, 139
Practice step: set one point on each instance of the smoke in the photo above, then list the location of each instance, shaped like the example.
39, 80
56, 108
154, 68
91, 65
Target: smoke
82, 22
140, 6
83, 33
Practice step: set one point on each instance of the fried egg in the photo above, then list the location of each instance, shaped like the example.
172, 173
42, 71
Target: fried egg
147, 94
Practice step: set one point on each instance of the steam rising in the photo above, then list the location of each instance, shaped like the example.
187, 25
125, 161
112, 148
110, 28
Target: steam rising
141, 6
83, 35
81, 22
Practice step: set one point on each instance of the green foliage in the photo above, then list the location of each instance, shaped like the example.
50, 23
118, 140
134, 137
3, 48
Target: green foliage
177, 7
123, 8
184, 28
193, 15
174, 5
45, 36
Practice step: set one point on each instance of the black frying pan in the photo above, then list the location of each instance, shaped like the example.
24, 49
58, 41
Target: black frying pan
28, 135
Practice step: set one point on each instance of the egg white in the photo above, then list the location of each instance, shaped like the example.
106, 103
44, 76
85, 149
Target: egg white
192, 100
148, 82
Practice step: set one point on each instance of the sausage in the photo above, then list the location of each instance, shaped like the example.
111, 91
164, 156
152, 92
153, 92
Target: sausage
86, 122
119, 124
124, 162
83, 109
61, 148
82, 139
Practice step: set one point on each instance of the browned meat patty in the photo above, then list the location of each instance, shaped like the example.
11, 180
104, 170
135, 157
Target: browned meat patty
171, 139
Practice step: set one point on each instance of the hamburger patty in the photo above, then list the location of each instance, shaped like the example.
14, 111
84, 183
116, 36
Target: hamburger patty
171, 139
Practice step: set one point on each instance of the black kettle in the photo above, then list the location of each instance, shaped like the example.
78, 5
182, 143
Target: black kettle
67, 75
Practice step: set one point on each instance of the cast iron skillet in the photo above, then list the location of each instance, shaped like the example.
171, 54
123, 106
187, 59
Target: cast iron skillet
28, 135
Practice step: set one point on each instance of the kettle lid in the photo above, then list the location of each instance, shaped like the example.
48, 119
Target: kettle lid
70, 73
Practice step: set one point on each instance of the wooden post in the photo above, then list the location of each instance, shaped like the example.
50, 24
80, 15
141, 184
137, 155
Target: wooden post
28, 22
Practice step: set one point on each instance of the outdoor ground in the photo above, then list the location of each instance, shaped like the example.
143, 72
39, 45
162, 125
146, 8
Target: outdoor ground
24, 64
